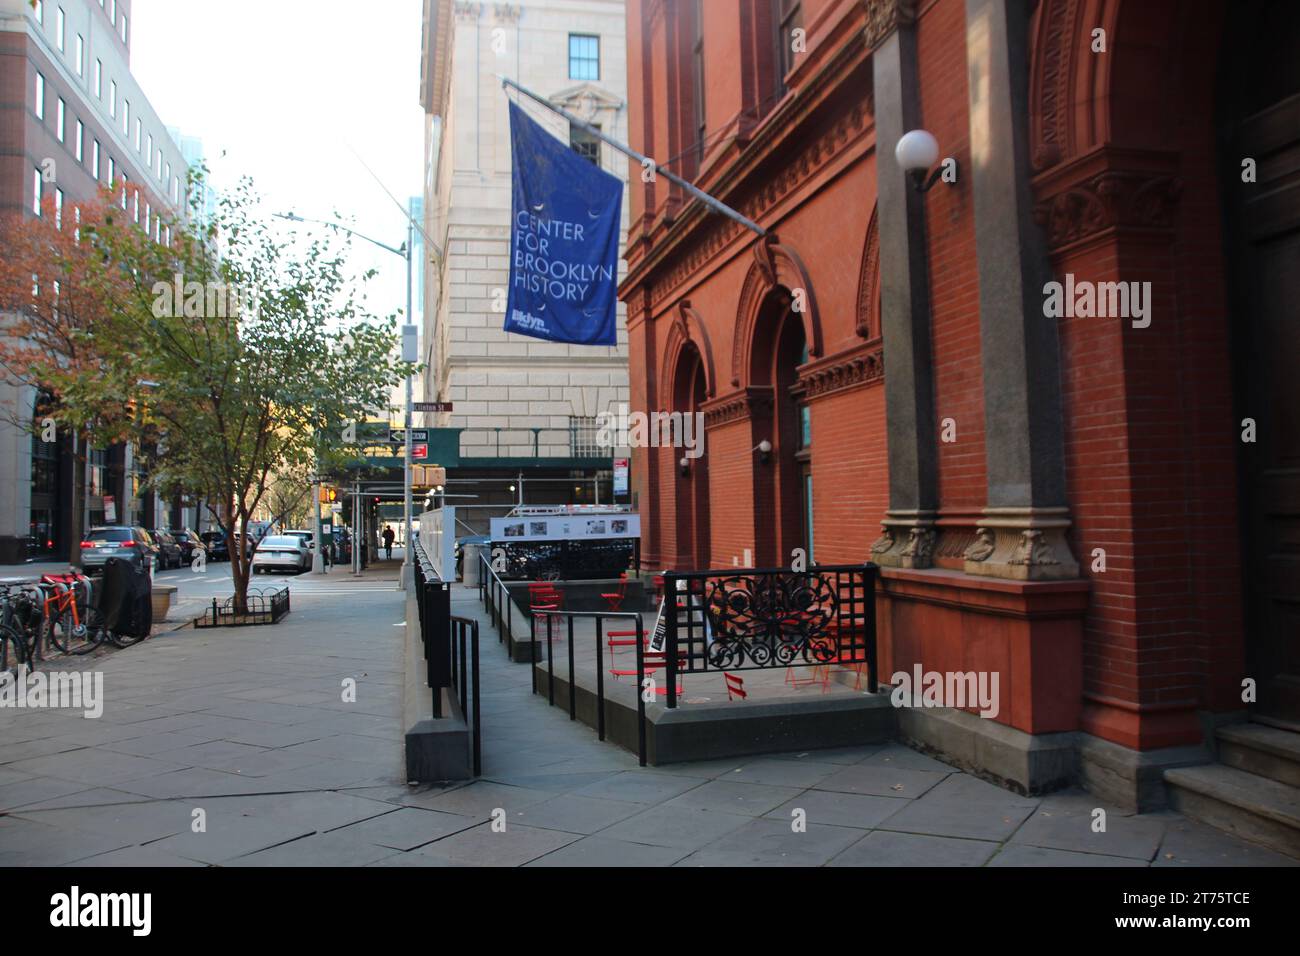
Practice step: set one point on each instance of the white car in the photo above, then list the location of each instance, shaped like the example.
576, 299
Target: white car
281, 552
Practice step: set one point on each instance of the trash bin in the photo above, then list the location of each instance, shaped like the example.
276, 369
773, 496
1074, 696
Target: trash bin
469, 565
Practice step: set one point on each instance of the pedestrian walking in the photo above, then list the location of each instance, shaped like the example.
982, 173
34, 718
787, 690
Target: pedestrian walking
388, 541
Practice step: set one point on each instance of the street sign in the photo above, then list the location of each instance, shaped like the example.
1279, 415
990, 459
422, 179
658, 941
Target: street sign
431, 407
419, 451
620, 476
398, 435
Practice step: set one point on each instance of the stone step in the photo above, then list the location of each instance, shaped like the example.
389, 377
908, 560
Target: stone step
1254, 808
1265, 751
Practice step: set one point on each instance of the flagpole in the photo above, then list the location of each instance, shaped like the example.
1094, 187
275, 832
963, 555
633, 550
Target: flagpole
645, 161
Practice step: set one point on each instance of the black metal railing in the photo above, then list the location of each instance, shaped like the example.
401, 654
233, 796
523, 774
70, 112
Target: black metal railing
552, 618
451, 651
260, 607
750, 619
496, 600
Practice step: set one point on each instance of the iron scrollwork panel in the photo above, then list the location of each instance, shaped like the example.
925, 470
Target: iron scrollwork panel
772, 620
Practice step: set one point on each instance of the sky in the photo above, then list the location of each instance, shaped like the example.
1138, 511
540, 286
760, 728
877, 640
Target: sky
287, 90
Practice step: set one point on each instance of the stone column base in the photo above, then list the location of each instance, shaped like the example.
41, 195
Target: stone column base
907, 540
1131, 779
1026, 763
1022, 544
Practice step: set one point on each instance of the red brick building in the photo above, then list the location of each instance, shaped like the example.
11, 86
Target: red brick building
1068, 501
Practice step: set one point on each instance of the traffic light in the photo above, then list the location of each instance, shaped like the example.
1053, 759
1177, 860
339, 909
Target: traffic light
328, 495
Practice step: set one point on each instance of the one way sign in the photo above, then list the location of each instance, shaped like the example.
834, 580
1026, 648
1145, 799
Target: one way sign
398, 435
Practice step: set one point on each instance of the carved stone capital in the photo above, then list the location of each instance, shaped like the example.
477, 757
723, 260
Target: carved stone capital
907, 540
884, 17
1022, 544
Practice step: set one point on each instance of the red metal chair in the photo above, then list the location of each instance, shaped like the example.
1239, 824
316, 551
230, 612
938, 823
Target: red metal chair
615, 597
543, 596
735, 686
653, 660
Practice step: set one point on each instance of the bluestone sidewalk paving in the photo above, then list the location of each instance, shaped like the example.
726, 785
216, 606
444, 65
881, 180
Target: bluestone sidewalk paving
246, 731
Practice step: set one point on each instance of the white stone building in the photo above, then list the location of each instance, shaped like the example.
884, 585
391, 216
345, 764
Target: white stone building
538, 393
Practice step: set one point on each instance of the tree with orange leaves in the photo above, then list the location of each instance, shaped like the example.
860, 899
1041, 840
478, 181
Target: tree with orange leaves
61, 346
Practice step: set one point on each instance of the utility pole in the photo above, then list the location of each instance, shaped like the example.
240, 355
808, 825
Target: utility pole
410, 344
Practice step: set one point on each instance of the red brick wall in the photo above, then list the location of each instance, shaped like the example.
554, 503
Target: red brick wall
954, 280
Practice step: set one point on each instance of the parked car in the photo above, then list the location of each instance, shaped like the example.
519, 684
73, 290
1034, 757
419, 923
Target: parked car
189, 543
281, 552
169, 552
134, 544
215, 542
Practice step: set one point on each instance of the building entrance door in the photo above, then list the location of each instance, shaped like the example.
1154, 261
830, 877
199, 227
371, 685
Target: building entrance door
1263, 217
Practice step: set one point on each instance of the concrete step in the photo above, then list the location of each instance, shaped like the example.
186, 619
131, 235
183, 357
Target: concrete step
1254, 808
1264, 751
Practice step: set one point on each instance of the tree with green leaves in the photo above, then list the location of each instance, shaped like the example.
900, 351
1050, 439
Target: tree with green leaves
250, 350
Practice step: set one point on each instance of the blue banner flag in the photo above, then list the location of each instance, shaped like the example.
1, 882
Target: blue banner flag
564, 219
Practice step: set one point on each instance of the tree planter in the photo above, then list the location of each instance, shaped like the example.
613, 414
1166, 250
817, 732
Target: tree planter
162, 596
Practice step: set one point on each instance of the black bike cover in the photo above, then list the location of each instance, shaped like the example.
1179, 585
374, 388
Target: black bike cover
126, 599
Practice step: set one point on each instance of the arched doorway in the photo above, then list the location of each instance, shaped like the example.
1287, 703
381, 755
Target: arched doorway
784, 518
1258, 113
690, 391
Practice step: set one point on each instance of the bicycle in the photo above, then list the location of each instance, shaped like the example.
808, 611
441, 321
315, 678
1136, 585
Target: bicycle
66, 595
21, 620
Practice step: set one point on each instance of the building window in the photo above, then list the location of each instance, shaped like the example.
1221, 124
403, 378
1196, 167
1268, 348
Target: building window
168, 174
40, 96
58, 209
126, 117
583, 433
584, 57
81, 56
94, 159
40, 12
148, 216
137, 134
124, 28
148, 152
81, 136
36, 191
112, 172
584, 143
789, 15
60, 116
59, 26
112, 11
112, 98
99, 79
135, 206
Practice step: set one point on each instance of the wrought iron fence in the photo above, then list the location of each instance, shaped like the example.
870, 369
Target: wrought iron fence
761, 618
262, 607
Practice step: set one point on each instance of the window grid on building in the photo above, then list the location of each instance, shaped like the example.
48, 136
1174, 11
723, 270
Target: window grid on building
584, 56
583, 433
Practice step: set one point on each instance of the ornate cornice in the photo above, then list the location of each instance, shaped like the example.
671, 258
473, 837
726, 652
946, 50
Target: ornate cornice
506, 12
466, 10
884, 17
737, 406
863, 365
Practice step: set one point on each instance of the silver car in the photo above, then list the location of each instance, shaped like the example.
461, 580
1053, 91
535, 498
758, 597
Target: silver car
281, 552
131, 543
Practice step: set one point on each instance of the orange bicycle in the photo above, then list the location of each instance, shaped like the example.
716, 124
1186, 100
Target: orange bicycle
67, 599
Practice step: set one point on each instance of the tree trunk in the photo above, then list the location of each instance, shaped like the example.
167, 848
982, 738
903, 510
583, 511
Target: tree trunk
239, 564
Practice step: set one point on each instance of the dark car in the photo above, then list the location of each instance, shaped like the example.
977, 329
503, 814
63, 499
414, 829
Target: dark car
215, 542
189, 543
169, 552
133, 544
